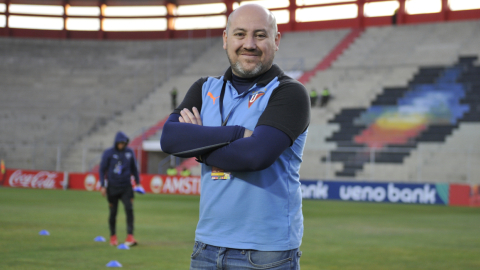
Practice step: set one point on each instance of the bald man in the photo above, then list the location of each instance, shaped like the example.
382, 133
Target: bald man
248, 129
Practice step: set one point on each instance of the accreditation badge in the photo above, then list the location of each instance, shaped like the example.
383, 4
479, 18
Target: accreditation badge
219, 174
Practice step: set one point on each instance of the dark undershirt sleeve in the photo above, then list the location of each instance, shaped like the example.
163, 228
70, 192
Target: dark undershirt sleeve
288, 109
193, 98
254, 153
286, 117
189, 140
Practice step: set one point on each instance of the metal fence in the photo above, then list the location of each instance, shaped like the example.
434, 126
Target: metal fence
422, 164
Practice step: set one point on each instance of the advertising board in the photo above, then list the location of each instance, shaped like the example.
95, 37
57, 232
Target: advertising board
33, 179
159, 184
376, 192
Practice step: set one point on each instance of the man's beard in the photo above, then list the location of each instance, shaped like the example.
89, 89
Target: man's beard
241, 72
238, 69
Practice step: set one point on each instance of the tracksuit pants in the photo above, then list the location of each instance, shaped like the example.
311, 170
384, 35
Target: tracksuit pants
125, 194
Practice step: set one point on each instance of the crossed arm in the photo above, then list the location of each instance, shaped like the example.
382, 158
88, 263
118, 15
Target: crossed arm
231, 148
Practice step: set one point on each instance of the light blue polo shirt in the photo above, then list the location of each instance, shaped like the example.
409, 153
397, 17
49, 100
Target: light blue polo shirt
259, 210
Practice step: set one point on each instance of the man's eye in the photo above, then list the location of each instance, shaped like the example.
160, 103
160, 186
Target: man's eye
239, 34
261, 36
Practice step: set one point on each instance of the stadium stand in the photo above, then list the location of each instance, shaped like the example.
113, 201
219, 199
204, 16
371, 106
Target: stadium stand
384, 67
377, 72
57, 92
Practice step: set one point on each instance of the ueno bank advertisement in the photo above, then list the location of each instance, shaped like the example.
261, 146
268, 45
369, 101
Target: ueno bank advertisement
376, 192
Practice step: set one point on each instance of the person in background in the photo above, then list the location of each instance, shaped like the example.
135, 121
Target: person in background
185, 172
173, 95
118, 165
172, 171
325, 97
313, 97
395, 17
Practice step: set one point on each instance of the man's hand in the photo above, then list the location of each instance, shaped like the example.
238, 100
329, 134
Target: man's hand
247, 133
103, 190
139, 189
189, 117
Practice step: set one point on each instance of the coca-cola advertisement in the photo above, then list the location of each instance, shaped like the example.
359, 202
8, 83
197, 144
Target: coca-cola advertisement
34, 179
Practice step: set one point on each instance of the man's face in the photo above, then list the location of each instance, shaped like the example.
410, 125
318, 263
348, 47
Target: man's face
121, 145
251, 42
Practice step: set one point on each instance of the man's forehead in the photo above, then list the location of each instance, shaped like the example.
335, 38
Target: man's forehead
247, 29
251, 25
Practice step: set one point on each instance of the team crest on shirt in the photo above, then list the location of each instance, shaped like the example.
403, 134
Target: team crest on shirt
115, 156
128, 155
254, 96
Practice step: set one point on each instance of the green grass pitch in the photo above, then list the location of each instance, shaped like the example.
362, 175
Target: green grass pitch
338, 235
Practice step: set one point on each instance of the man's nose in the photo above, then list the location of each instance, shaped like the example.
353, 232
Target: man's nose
250, 43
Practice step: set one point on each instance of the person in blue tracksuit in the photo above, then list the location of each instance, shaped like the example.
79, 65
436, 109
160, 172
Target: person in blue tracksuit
117, 167
248, 128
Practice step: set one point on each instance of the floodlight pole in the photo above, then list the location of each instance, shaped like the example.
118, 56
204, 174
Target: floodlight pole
401, 12
65, 32
101, 4
7, 16
445, 10
361, 15
291, 9
170, 6
229, 4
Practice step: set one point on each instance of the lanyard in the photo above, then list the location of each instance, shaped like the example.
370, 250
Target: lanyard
220, 104
222, 95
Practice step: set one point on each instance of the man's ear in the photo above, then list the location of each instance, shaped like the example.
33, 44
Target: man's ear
224, 39
277, 40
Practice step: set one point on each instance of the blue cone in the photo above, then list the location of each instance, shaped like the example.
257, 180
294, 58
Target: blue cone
44, 232
123, 246
99, 239
114, 264
140, 190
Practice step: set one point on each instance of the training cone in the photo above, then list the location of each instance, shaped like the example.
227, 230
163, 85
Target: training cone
139, 190
123, 246
114, 264
44, 232
99, 239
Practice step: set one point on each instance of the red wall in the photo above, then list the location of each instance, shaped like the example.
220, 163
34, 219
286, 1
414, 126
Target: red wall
295, 26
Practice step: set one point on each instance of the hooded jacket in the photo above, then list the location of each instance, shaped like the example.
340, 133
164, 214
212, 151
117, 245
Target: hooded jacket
117, 166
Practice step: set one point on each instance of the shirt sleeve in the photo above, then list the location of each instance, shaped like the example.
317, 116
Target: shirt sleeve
134, 169
254, 153
103, 168
188, 140
193, 98
288, 109
286, 117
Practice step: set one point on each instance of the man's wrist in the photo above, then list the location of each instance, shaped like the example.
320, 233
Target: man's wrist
202, 158
199, 159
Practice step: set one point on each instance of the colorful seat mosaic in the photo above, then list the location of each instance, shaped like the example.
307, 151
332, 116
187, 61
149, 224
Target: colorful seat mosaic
433, 104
